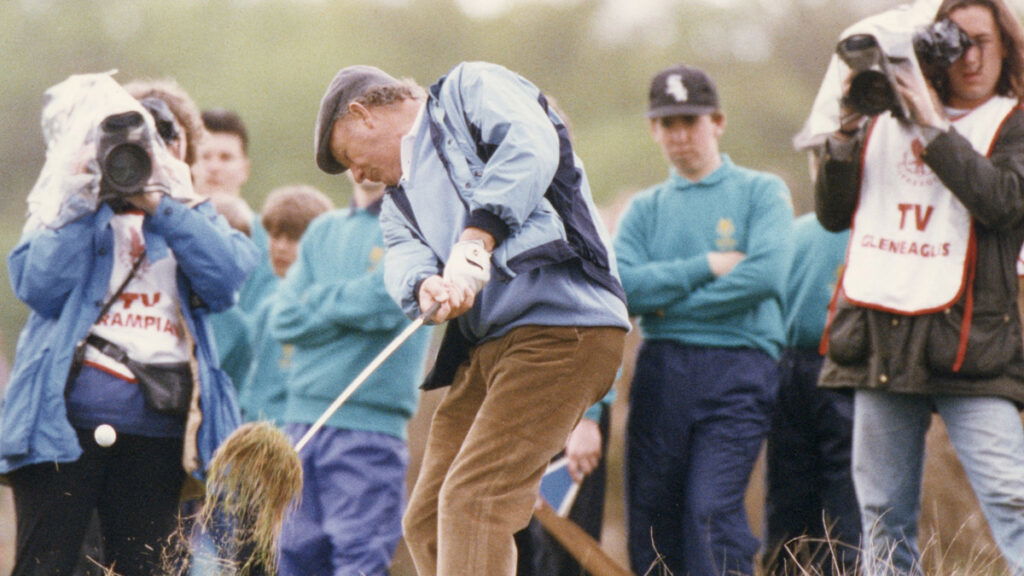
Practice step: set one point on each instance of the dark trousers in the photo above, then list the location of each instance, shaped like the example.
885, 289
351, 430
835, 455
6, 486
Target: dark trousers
539, 553
697, 419
134, 486
810, 485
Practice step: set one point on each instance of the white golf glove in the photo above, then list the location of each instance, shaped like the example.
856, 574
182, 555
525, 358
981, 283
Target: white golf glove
469, 265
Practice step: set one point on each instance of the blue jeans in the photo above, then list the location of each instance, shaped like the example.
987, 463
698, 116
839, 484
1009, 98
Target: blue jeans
888, 459
353, 495
697, 419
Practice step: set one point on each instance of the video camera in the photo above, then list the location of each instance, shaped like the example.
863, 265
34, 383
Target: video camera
123, 152
873, 86
124, 149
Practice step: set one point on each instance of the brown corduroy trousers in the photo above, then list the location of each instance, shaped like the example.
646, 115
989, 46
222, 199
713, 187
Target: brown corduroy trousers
508, 411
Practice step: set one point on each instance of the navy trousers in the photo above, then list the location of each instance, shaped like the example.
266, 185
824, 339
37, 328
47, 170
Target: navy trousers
810, 485
698, 417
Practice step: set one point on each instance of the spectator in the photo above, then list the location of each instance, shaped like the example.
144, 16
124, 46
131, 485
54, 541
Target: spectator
811, 517
287, 212
223, 167
704, 257
333, 312
927, 319
119, 298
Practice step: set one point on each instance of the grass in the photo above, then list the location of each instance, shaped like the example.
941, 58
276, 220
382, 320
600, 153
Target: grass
255, 477
808, 556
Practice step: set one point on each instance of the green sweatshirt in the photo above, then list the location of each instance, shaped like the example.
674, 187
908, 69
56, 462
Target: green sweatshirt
662, 245
333, 310
817, 264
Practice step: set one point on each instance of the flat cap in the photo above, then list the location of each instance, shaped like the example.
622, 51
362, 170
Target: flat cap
348, 84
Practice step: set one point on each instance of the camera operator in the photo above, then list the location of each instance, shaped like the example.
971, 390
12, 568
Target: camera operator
117, 333
926, 319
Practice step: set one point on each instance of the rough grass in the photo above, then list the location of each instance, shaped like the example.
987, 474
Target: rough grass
254, 479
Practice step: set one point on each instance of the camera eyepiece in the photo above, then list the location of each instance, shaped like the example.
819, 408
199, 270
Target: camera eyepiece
940, 45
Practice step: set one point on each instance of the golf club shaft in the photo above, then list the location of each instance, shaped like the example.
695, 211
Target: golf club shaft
365, 374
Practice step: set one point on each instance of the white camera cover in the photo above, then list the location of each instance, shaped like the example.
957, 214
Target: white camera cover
68, 185
894, 30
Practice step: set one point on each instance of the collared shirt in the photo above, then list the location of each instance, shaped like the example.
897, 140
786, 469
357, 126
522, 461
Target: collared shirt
408, 140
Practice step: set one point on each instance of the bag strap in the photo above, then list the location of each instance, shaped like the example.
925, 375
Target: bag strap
107, 348
124, 284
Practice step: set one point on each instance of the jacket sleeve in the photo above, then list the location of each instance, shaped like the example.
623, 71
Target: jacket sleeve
837, 185
308, 311
652, 284
521, 143
762, 273
992, 188
407, 260
48, 264
215, 258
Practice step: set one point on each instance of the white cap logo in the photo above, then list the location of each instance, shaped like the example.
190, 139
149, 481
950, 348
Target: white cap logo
674, 87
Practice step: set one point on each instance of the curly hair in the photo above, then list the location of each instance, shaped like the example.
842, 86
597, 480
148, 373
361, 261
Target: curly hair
405, 89
181, 105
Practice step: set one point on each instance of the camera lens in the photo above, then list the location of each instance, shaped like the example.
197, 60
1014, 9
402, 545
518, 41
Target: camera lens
123, 154
127, 167
871, 94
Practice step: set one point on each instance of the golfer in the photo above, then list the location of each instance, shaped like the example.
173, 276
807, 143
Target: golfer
484, 185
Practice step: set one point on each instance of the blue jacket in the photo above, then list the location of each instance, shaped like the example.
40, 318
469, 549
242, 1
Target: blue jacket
490, 153
231, 334
64, 275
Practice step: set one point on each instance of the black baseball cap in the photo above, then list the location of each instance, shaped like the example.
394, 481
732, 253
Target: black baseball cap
348, 84
682, 91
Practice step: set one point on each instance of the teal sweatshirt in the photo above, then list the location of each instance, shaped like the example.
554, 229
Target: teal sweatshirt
817, 264
662, 244
262, 395
231, 337
333, 309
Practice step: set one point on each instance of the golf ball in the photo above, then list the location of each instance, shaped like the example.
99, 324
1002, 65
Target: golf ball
105, 435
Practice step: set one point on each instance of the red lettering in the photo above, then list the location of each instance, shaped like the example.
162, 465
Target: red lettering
127, 298
904, 208
146, 301
922, 221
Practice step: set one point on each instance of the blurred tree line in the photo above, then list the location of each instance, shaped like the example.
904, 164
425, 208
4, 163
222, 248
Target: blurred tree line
271, 60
